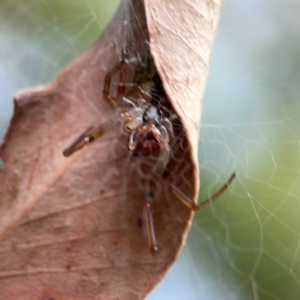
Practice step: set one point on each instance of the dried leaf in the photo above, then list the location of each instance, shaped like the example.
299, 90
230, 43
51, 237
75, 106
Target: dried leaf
70, 228
181, 39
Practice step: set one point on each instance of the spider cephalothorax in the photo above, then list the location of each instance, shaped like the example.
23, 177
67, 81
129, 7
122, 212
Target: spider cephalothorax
149, 137
149, 133
150, 130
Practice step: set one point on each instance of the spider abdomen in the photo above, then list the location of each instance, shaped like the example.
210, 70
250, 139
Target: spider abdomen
149, 146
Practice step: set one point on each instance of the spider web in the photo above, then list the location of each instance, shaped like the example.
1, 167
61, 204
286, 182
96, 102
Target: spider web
246, 245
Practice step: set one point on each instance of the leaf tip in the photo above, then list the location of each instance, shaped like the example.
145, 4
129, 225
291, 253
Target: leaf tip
26, 95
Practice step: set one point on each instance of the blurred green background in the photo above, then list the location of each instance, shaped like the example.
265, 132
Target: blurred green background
246, 245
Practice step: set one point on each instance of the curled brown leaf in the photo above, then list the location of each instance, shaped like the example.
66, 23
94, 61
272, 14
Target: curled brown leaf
70, 228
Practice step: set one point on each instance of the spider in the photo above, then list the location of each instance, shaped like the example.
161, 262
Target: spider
150, 131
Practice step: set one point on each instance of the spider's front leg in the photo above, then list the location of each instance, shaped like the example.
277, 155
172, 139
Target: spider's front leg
131, 118
91, 134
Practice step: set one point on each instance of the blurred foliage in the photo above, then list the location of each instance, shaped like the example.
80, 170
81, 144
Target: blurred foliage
50, 33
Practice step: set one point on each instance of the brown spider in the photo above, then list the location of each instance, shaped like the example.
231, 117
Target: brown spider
149, 130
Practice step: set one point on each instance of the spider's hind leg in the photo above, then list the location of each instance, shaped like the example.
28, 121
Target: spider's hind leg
147, 209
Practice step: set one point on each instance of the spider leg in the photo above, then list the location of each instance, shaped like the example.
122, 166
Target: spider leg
90, 135
107, 81
168, 125
147, 209
165, 151
134, 97
163, 159
187, 201
122, 97
134, 124
133, 140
